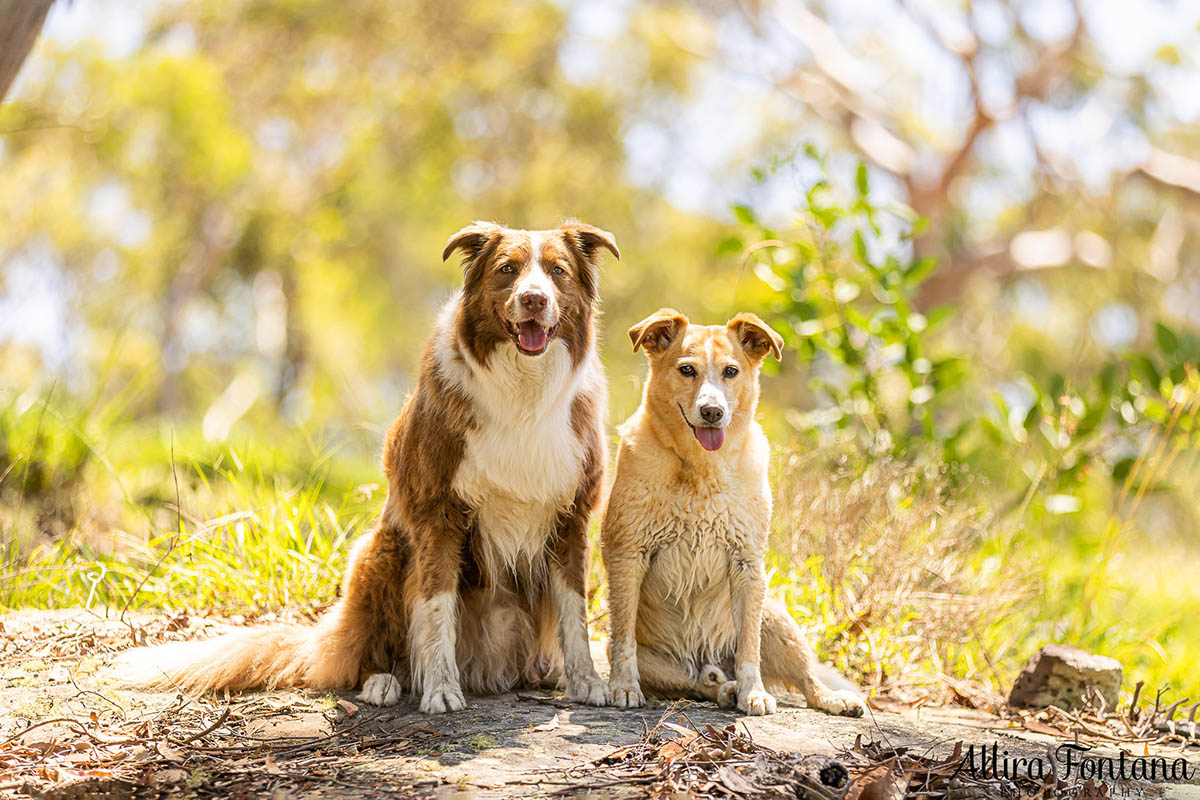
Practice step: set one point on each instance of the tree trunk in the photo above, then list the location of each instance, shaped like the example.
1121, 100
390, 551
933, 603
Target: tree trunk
20, 23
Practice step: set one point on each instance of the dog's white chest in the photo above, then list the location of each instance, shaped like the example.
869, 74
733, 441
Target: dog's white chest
523, 460
517, 478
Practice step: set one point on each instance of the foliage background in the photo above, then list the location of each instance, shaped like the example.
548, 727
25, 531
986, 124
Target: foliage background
975, 222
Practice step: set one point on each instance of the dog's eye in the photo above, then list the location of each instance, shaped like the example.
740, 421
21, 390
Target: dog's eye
687, 370
559, 270
506, 267
731, 372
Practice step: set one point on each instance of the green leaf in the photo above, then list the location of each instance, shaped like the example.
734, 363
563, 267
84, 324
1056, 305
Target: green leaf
729, 245
860, 180
1168, 342
1108, 379
1031, 417
919, 270
827, 216
744, 214
949, 372
937, 316
860, 247
1146, 369
992, 430
1120, 470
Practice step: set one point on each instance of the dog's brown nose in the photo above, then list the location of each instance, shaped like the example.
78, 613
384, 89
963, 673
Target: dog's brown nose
533, 302
711, 414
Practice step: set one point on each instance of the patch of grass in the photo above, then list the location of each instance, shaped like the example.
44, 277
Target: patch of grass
885, 561
911, 578
178, 522
276, 547
907, 574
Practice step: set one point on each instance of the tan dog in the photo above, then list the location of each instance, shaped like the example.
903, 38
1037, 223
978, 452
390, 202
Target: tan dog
685, 530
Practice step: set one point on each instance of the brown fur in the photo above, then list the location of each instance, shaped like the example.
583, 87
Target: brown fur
429, 542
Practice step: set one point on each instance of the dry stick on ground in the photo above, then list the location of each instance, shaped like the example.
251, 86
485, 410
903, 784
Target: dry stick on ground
113, 754
705, 760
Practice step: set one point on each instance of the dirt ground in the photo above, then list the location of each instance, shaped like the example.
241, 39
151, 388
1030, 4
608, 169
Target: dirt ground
67, 732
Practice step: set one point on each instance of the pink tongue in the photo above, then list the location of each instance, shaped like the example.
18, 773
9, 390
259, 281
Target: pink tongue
711, 438
532, 336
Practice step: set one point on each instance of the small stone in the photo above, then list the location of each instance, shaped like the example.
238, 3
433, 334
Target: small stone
1067, 677
301, 726
165, 776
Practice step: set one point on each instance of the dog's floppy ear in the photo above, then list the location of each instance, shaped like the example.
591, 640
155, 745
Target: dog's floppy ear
756, 336
589, 239
657, 331
585, 241
472, 239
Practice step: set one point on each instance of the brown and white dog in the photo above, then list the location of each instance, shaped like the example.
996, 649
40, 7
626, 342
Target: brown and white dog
685, 530
474, 578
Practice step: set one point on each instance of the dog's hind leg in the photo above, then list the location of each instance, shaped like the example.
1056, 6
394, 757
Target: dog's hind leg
787, 659
667, 676
366, 631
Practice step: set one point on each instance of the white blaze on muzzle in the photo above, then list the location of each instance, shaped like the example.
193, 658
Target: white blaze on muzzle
711, 409
537, 281
711, 395
536, 322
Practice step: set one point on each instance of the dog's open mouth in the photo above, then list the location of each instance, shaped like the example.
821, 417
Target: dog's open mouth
530, 337
709, 438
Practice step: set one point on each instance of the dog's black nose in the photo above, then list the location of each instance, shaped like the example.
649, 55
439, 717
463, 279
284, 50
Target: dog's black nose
712, 414
533, 302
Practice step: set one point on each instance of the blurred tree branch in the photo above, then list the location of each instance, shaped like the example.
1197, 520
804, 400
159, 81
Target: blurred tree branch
20, 23
874, 130
833, 84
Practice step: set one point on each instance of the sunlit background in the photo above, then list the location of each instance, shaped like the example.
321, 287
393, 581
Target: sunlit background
975, 222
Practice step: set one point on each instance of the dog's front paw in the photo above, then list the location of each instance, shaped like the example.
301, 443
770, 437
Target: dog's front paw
626, 693
590, 690
381, 689
440, 699
842, 703
727, 695
756, 702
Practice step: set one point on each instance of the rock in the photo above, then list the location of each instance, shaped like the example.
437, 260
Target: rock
169, 776
1063, 676
309, 725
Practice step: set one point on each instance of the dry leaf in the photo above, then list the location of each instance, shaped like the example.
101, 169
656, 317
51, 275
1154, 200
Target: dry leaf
168, 752
686, 735
552, 725
1042, 728
669, 751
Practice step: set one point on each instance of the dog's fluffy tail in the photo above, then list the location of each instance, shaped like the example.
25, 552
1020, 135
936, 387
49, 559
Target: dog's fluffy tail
249, 659
788, 659
325, 656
